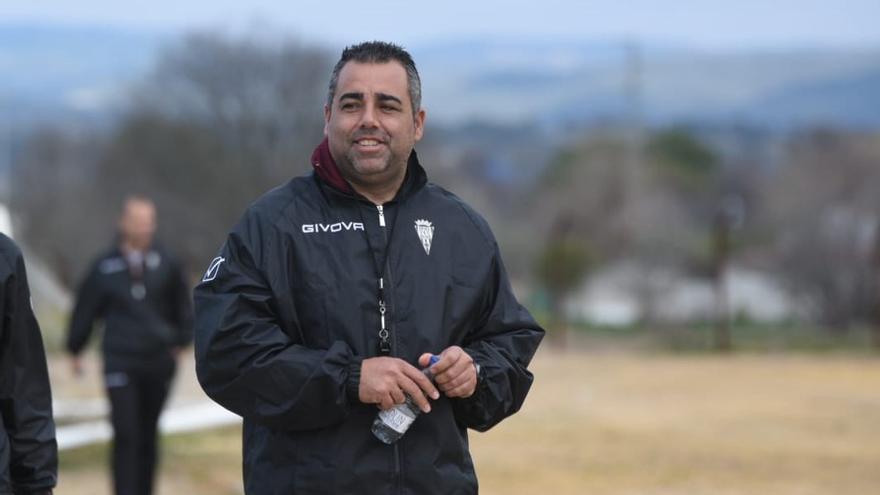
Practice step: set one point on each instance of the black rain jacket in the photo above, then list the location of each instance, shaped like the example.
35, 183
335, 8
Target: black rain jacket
28, 452
288, 310
139, 332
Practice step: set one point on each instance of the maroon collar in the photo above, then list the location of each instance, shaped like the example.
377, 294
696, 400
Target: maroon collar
326, 169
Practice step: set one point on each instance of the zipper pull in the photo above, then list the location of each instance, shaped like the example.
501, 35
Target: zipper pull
381, 215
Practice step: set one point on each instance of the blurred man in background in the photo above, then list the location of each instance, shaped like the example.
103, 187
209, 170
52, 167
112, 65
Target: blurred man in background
28, 452
141, 294
331, 292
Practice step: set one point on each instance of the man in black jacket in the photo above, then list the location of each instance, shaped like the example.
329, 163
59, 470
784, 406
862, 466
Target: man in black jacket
141, 294
28, 452
332, 292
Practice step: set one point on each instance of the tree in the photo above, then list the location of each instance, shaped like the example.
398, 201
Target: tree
218, 122
63, 213
561, 267
824, 208
262, 99
655, 211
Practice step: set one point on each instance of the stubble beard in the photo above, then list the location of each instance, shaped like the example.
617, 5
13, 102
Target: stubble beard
371, 175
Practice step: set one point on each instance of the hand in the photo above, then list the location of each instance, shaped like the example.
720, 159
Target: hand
76, 366
455, 373
386, 381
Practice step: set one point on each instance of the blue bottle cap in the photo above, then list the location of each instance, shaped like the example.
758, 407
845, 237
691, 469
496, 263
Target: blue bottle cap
433, 360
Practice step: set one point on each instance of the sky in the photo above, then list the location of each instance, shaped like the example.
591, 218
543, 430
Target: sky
709, 24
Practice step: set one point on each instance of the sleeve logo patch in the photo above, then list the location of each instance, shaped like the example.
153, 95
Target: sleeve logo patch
213, 269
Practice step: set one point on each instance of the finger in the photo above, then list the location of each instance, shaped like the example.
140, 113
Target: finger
417, 395
468, 375
461, 366
448, 358
464, 390
387, 402
457, 382
397, 396
424, 360
422, 381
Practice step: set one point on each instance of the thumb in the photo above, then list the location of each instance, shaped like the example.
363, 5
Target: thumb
424, 359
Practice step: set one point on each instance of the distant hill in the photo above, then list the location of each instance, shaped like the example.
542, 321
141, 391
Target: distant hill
65, 76
584, 82
53, 72
57, 68
853, 99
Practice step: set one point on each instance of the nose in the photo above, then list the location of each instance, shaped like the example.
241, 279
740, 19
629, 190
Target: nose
368, 117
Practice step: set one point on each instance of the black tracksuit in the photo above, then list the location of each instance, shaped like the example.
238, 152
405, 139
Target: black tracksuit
145, 306
288, 310
28, 452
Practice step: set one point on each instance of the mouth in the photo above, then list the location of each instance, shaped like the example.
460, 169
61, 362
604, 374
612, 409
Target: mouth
368, 143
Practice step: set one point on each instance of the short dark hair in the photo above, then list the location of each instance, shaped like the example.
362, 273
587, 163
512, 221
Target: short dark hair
379, 52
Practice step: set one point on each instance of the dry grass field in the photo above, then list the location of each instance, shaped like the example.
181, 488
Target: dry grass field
630, 423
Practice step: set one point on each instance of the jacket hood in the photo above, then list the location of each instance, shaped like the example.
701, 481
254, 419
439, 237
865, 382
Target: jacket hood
328, 172
326, 169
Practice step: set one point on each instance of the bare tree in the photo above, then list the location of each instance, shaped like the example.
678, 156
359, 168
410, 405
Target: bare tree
218, 122
561, 267
262, 99
55, 196
658, 214
825, 206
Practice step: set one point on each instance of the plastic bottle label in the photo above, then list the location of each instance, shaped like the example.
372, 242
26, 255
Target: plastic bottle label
396, 420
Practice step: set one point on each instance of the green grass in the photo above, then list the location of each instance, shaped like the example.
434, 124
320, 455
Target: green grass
698, 337
84, 458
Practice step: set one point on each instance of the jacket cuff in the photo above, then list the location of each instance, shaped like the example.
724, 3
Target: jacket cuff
478, 366
353, 382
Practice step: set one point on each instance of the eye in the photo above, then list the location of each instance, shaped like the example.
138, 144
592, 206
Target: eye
350, 105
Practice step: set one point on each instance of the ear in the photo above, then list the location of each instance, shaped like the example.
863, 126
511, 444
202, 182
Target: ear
326, 118
420, 124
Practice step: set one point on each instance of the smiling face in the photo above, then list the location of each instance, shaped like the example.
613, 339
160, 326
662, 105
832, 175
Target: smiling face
370, 124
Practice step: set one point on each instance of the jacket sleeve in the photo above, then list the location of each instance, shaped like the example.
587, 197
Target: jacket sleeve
250, 365
25, 398
90, 302
502, 344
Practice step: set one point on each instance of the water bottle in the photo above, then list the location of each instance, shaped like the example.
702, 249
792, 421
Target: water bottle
391, 424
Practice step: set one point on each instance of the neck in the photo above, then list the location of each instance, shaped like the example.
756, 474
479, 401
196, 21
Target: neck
381, 192
127, 246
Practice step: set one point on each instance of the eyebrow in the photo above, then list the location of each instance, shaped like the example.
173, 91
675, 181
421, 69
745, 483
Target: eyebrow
386, 97
360, 97
353, 96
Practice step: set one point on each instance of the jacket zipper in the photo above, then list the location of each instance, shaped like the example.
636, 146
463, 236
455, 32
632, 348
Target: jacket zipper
396, 447
383, 285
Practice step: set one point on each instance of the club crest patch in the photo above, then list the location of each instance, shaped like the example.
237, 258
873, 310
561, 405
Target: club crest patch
425, 230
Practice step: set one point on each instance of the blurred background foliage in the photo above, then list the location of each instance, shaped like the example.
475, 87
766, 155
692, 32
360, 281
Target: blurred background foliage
618, 212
